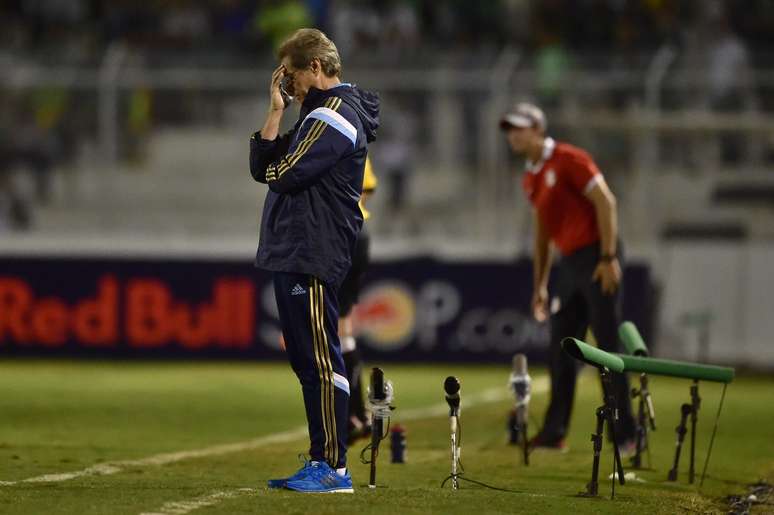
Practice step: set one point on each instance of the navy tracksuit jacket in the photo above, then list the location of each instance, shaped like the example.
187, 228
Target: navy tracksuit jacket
310, 222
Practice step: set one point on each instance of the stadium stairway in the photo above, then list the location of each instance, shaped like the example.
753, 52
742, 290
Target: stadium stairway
195, 182
192, 182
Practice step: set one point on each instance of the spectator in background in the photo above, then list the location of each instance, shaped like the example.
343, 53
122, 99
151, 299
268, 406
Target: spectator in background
139, 118
399, 29
552, 64
37, 138
232, 20
395, 159
277, 19
516, 21
357, 26
14, 209
729, 81
185, 24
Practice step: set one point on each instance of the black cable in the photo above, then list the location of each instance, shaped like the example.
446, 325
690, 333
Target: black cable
460, 477
364, 452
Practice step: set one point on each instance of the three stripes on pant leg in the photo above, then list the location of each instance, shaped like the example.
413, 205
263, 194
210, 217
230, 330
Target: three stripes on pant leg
325, 369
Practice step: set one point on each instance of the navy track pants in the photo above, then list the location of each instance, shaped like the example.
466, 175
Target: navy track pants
308, 312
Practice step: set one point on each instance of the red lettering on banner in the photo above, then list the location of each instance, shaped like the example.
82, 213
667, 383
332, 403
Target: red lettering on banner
244, 323
194, 325
221, 292
152, 316
15, 302
95, 321
147, 313
49, 322
227, 322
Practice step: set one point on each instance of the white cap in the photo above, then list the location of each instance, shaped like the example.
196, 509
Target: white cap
524, 115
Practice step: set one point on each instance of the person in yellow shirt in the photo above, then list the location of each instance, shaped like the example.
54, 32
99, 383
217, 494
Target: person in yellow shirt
359, 422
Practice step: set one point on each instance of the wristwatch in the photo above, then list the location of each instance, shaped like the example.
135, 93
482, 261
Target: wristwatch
607, 258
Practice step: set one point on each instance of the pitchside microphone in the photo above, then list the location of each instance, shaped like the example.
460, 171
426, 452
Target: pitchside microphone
379, 398
375, 396
452, 388
377, 392
521, 384
649, 401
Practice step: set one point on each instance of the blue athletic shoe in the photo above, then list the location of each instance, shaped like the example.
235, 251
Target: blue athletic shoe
321, 478
300, 474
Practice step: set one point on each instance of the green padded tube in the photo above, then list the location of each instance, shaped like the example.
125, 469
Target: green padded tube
630, 336
666, 367
588, 354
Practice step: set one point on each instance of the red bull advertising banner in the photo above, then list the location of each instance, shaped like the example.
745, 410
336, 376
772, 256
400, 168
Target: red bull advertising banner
417, 309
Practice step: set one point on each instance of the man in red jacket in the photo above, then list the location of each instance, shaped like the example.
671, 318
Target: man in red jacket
575, 211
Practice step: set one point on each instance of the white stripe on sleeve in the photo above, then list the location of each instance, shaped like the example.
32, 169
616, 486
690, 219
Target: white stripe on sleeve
336, 121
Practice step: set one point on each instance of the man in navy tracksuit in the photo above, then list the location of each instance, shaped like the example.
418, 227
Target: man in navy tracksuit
309, 227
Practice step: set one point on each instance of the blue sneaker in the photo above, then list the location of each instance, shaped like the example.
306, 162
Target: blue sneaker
300, 474
321, 478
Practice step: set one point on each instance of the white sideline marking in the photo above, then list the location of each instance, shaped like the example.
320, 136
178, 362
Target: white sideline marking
105, 469
183, 507
540, 385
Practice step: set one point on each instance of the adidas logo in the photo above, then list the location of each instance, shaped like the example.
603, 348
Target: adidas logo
297, 290
329, 480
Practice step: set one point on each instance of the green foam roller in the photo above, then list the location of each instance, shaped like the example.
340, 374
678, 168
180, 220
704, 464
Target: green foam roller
630, 336
667, 367
589, 354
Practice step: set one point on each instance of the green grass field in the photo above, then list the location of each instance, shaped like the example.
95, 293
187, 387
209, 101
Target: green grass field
111, 437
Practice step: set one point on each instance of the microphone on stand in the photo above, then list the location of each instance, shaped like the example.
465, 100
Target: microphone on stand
452, 388
380, 395
521, 384
376, 392
651, 412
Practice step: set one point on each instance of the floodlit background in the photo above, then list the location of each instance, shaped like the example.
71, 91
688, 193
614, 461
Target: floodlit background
124, 132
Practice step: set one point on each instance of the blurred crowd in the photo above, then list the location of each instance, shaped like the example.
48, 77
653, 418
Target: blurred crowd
726, 39
223, 31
